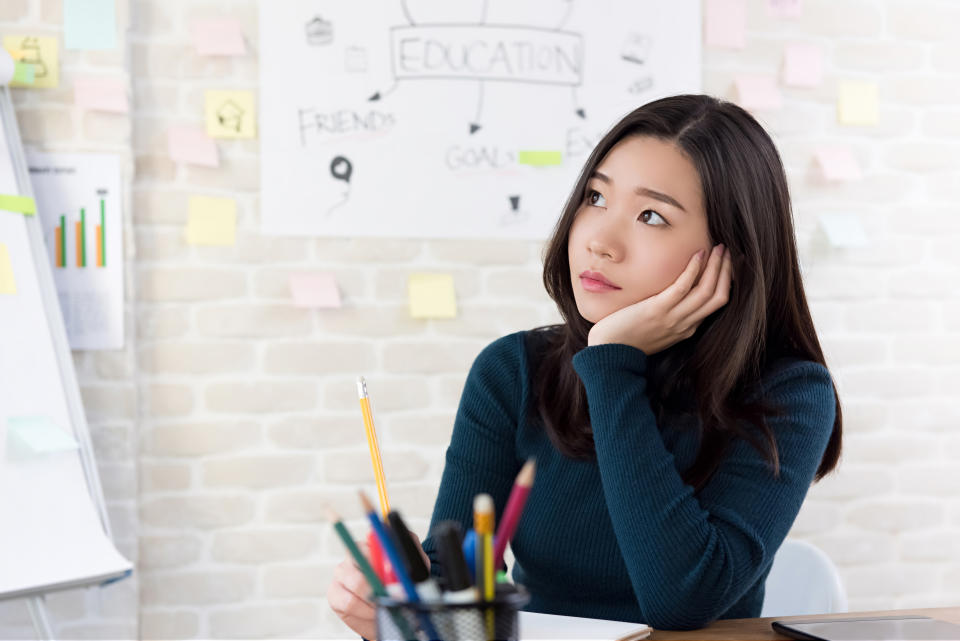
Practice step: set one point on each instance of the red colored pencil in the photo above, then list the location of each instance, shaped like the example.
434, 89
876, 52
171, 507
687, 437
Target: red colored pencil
511, 514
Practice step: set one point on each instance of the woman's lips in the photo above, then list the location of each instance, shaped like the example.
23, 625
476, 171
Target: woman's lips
592, 285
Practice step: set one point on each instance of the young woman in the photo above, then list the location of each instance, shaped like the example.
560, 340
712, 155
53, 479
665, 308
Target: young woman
681, 411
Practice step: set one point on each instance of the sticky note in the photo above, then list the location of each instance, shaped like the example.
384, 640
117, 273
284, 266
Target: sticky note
32, 435
843, 230
7, 283
211, 221
22, 74
785, 8
857, 104
758, 92
89, 24
230, 114
318, 289
539, 158
726, 23
431, 296
802, 65
192, 145
18, 204
40, 52
838, 163
218, 37
101, 94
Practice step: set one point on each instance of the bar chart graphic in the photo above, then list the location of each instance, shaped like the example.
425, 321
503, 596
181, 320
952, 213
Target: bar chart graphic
79, 204
81, 238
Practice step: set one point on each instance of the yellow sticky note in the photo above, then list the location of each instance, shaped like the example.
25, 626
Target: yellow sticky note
539, 158
212, 221
40, 52
231, 114
7, 284
432, 296
858, 104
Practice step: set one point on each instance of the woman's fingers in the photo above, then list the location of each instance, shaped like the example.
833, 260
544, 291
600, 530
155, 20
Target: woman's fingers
719, 295
705, 288
679, 289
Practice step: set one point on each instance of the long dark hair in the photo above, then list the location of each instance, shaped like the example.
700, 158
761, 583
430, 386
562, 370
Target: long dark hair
748, 209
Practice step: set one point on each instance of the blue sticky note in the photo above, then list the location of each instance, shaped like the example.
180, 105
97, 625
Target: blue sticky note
89, 24
33, 435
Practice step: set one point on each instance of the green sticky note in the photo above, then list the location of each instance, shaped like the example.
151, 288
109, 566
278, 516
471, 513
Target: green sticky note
19, 204
539, 158
432, 296
23, 73
33, 435
89, 24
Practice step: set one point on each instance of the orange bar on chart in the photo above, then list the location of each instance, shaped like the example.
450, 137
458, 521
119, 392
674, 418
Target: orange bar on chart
79, 228
99, 247
59, 247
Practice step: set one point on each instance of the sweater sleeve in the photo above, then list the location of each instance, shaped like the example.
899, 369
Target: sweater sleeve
701, 553
481, 456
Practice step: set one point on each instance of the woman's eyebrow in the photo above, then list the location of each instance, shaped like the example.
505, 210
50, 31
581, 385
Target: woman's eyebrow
642, 191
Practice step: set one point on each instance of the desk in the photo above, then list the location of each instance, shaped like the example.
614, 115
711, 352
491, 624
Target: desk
759, 629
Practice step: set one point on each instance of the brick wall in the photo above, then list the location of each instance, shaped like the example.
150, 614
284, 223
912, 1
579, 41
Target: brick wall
231, 417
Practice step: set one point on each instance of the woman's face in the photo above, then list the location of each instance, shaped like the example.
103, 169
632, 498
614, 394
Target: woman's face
641, 222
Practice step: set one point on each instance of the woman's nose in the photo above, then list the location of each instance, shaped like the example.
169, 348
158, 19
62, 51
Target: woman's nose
605, 242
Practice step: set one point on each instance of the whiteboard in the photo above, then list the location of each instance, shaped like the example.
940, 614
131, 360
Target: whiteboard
439, 119
54, 534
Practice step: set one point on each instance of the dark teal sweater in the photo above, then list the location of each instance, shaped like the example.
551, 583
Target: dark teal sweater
623, 537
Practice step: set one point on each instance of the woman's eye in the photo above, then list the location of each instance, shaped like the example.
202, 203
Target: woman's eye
647, 216
595, 198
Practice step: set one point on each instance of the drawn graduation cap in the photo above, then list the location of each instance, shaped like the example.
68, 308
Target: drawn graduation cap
319, 31
30, 54
230, 116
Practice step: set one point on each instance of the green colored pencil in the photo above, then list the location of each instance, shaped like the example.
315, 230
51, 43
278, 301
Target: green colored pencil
375, 583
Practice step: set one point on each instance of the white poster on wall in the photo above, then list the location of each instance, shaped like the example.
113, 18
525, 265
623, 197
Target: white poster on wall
438, 119
78, 201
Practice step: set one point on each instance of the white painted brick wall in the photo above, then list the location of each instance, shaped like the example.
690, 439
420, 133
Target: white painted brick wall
234, 414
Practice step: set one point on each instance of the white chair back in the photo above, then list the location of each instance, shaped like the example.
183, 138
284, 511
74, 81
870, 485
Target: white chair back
803, 580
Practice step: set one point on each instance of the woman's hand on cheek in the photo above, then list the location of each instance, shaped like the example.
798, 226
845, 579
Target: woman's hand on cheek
657, 322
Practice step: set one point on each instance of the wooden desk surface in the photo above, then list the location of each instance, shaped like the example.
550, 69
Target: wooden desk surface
759, 629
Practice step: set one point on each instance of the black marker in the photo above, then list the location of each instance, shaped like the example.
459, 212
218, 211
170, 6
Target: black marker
419, 573
460, 588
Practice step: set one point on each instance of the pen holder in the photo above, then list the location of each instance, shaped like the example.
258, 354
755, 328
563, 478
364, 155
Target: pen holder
470, 621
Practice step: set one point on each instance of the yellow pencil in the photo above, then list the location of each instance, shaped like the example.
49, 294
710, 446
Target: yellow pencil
374, 447
483, 518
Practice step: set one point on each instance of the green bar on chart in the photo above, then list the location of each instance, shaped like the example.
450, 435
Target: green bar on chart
83, 237
103, 235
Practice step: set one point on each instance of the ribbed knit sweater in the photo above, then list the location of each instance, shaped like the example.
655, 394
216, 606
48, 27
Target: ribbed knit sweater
623, 537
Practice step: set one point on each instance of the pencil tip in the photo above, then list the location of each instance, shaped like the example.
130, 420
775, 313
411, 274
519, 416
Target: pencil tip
330, 514
525, 477
367, 505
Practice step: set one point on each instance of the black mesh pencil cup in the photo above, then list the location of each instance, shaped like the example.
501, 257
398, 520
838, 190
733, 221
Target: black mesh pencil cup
472, 621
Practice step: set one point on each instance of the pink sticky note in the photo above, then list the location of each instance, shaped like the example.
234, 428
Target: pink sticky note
802, 65
192, 145
758, 92
785, 8
101, 94
726, 23
218, 37
314, 289
838, 163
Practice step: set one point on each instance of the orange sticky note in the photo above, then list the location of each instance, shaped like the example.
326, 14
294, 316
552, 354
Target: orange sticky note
857, 104
218, 37
192, 145
317, 289
758, 92
726, 23
212, 221
802, 65
101, 94
432, 296
838, 163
